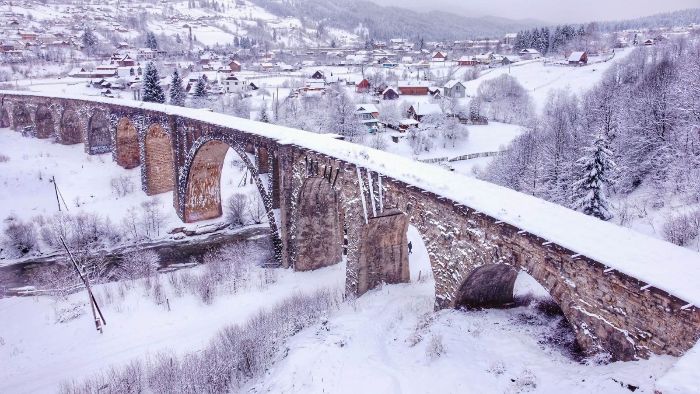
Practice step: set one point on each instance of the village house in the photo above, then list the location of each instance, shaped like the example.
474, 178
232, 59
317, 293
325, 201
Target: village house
147, 53
233, 84
318, 75
420, 110
530, 53
485, 58
454, 89
234, 66
438, 56
368, 115
28, 35
509, 59
414, 88
578, 58
362, 87
390, 94
467, 61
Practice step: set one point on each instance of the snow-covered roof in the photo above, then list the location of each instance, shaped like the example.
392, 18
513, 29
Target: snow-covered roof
422, 84
663, 265
422, 109
452, 83
576, 56
366, 108
531, 51
408, 122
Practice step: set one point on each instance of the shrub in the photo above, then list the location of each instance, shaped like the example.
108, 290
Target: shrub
3, 158
681, 229
20, 237
377, 141
236, 206
139, 264
122, 185
435, 347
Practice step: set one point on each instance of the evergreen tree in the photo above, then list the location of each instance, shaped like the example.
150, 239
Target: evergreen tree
152, 91
596, 167
89, 41
200, 89
262, 116
177, 93
151, 41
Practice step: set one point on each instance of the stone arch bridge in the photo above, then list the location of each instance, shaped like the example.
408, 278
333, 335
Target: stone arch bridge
623, 293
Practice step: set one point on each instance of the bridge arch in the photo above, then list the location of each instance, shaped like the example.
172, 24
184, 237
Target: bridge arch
158, 157
99, 134
319, 227
44, 120
71, 131
20, 116
487, 286
127, 144
202, 179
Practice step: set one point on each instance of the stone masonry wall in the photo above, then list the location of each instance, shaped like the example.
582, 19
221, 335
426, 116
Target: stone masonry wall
160, 173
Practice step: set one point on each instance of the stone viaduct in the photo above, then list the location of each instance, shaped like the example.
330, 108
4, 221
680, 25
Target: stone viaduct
322, 206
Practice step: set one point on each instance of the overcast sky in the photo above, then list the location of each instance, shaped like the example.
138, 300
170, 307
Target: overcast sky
555, 11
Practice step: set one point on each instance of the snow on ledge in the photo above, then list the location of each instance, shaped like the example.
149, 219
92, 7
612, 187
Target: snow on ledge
663, 265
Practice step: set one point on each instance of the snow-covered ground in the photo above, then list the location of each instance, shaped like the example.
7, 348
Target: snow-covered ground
388, 340
37, 352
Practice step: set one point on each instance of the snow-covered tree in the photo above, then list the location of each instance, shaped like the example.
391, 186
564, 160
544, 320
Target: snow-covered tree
177, 92
262, 116
596, 167
152, 91
200, 89
342, 118
89, 41
151, 41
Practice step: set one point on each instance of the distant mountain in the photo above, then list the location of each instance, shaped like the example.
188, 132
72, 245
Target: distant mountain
667, 19
387, 22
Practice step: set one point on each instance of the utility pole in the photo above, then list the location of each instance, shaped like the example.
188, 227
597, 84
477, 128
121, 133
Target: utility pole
55, 189
99, 321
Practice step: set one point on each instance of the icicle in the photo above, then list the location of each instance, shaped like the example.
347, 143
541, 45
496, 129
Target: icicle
371, 193
362, 194
381, 193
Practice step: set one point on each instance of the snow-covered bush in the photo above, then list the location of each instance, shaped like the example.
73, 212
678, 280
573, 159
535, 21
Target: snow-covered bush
378, 141
453, 133
152, 218
681, 229
497, 368
435, 347
419, 141
256, 209
138, 264
121, 185
237, 205
525, 382
19, 237
505, 100
3, 158
80, 231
